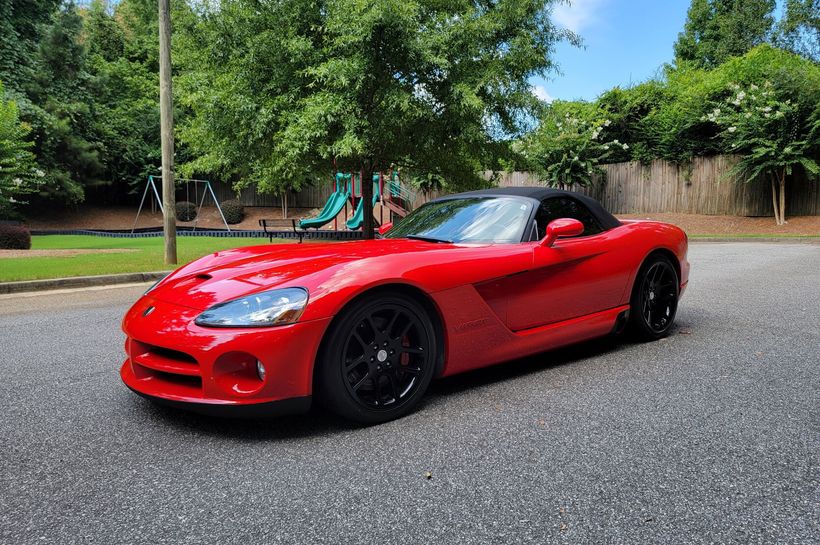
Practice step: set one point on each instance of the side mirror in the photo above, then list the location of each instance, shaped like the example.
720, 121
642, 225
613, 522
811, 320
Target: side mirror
562, 227
385, 227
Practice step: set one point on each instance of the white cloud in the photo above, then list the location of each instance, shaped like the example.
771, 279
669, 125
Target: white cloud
578, 14
541, 93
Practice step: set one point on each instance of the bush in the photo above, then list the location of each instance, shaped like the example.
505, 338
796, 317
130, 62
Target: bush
234, 211
14, 237
186, 211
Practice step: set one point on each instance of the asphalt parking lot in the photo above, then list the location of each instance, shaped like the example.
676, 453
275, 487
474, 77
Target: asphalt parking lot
709, 436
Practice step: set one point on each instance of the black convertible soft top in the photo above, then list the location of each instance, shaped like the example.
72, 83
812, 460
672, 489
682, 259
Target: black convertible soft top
607, 220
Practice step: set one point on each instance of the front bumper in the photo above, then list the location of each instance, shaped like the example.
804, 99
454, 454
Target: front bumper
173, 361
294, 405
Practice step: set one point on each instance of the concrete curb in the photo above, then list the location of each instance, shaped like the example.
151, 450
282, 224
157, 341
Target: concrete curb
80, 282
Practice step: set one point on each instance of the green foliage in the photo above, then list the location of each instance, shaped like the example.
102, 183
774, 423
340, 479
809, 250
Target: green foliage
771, 132
57, 104
762, 106
85, 81
18, 170
280, 91
666, 118
799, 29
21, 25
14, 237
568, 149
717, 30
233, 210
185, 211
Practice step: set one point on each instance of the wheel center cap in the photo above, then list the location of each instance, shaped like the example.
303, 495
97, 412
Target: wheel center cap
381, 355
651, 295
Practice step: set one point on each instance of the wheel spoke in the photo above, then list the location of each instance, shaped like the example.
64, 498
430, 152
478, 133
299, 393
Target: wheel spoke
389, 329
377, 389
405, 330
359, 340
394, 389
372, 325
412, 350
354, 362
360, 382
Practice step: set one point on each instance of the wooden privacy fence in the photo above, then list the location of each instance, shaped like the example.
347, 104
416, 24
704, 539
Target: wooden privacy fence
700, 187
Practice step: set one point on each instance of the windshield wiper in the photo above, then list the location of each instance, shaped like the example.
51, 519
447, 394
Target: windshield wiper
430, 239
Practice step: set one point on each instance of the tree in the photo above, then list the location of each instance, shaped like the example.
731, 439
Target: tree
58, 104
567, 150
21, 25
18, 171
799, 28
430, 87
124, 91
773, 134
716, 30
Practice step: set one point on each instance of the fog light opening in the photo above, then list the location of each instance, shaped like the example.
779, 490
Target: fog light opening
260, 370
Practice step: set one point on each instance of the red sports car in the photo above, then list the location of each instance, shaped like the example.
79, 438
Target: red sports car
362, 327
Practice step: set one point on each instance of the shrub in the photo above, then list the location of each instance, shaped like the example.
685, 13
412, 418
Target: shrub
234, 211
186, 211
14, 237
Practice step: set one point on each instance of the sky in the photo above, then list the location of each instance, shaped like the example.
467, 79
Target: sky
625, 41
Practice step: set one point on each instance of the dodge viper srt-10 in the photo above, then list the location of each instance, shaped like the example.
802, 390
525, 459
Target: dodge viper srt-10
362, 327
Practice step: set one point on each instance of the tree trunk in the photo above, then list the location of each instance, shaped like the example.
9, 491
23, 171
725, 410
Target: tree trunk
775, 205
167, 133
783, 197
367, 196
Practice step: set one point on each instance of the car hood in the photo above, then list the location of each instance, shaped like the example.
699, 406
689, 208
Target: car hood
230, 274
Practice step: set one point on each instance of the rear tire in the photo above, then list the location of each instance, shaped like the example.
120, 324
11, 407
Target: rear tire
378, 359
654, 301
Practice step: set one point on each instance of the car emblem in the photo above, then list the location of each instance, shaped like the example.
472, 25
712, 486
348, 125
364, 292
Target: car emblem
148, 311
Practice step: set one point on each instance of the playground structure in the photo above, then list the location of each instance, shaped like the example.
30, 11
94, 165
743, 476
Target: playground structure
390, 193
206, 190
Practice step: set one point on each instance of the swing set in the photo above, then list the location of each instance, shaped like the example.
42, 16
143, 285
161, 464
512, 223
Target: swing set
206, 190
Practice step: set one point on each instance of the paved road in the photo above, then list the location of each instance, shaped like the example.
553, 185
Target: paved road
710, 436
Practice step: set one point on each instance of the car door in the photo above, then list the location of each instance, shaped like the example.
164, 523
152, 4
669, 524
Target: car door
574, 277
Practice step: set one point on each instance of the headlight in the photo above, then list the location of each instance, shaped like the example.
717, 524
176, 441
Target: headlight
267, 308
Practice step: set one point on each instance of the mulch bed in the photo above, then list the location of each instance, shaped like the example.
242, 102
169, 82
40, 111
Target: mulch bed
695, 224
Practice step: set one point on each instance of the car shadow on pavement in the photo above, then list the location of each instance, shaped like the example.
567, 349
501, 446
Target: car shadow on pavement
515, 369
319, 422
314, 423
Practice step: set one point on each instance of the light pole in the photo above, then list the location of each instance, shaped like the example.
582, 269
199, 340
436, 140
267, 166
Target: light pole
166, 115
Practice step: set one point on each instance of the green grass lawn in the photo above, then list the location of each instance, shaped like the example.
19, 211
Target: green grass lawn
146, 257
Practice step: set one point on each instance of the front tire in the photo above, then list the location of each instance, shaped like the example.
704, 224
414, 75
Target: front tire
654, 301
378, 359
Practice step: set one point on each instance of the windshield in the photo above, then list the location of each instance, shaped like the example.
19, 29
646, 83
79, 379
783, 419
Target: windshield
471, 219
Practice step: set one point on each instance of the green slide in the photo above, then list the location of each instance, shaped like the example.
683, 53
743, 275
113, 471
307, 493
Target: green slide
358, 216
332, 207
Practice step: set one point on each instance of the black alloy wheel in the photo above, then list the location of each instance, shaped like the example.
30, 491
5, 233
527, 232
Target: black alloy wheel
654, 299
378, 360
